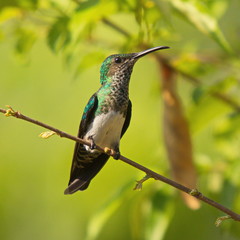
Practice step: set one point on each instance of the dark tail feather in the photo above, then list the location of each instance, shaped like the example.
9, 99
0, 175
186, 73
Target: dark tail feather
76, 185
81, 177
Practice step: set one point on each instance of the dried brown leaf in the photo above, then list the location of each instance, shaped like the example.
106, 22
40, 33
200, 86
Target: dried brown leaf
177, 136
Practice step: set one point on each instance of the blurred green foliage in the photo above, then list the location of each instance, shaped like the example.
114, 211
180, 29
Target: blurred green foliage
51, 52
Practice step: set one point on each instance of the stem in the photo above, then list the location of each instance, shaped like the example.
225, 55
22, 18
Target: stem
116, 27
193, 192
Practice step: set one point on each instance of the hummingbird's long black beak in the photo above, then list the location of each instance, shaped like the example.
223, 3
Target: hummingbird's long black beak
145, 52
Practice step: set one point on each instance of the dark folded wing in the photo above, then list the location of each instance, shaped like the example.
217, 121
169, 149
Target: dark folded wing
128, 118
85, 165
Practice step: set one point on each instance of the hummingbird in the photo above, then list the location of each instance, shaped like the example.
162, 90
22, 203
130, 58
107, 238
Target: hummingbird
105, 119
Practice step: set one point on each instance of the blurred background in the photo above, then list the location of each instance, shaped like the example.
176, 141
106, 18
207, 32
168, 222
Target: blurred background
185, 120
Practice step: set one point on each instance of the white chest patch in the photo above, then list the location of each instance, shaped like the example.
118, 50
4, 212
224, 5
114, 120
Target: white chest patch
106, 129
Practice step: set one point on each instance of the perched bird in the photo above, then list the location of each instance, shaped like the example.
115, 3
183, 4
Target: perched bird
105, 119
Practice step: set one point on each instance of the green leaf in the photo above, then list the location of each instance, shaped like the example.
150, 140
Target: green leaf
139, 12
206, 111
197, 94
59, 35
89, 60
83, 5
92, 12
9, 13
152, 213
160, 215
202, 19
25, 40
98, 220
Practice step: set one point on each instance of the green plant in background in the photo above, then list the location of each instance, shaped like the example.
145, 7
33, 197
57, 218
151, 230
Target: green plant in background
203, 36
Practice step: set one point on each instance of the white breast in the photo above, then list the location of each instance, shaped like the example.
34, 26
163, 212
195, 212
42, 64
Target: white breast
106, 129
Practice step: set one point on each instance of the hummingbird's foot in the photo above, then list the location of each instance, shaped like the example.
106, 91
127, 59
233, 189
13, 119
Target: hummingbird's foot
93, 145
115, 154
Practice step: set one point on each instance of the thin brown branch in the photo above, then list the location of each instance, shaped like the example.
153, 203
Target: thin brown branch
193, 192
115, 27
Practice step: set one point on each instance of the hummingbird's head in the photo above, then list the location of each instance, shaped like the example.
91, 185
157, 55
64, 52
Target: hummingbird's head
121, 65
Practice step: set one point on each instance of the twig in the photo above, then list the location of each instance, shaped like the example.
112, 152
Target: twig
116, 27
221, 219
140, 182
193, 192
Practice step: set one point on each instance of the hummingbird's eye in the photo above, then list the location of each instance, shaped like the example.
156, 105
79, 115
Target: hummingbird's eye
117, 60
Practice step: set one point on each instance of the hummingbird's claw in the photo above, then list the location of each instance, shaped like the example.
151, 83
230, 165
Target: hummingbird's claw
108, 151
115, 154
93, 145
